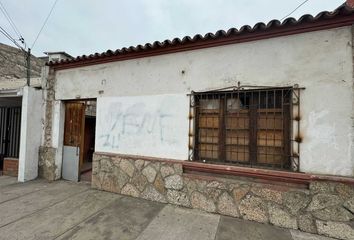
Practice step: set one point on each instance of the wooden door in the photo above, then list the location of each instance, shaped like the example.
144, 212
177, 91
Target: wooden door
73, 140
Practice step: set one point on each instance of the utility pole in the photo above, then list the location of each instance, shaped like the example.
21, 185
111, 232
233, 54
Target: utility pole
28, 61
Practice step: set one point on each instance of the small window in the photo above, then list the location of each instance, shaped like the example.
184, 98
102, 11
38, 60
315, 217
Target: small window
243, 127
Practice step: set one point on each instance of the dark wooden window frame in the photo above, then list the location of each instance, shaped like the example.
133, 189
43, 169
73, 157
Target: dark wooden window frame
291, 140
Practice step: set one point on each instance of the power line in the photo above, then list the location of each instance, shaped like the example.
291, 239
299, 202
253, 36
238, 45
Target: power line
7, 16
8, 36
27, 54
12, 24
50, 12
295, 9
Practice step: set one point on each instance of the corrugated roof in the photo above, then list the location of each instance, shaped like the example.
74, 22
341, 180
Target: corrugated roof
342, 16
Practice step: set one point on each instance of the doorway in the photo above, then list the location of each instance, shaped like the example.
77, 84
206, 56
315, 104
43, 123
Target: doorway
79, 140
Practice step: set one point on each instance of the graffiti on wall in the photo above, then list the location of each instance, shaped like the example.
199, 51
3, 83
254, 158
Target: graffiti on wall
132, 125
135, 121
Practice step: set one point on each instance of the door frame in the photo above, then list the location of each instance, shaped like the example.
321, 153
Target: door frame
78, 142
82, 132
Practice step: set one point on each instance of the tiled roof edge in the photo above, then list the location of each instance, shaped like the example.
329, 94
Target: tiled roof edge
342, 16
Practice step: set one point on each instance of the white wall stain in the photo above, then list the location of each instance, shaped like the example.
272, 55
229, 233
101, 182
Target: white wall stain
320, 130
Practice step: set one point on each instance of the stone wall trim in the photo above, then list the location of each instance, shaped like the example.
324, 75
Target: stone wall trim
272, 175
257, 173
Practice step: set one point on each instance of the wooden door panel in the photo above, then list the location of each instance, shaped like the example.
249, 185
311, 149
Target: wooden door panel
73, 140
74, 120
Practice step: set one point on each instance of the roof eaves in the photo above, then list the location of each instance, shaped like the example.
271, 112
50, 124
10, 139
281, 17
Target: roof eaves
342, 16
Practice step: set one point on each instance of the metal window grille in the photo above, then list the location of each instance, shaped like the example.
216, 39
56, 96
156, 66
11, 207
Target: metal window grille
246, 126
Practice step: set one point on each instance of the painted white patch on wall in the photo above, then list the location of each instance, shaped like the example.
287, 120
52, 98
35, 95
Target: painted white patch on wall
321, 130
154, 125
58, 135
326, 128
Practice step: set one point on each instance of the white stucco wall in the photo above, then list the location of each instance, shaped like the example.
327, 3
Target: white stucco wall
58, 134
319, 61
149, 126
30, 138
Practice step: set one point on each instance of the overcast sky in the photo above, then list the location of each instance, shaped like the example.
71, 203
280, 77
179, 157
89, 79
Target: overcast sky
88, 26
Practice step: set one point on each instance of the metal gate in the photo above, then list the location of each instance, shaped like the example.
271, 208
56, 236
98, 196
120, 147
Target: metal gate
10, 127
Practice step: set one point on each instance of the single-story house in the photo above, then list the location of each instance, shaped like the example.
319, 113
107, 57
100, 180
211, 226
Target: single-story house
255, 123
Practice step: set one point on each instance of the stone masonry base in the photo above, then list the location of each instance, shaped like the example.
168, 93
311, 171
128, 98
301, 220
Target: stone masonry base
46, 163
325, 208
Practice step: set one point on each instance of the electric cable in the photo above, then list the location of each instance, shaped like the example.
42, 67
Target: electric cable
294, 9
12, 23
45, 21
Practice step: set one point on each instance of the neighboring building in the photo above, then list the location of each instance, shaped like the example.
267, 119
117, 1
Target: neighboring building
21, 109
14, 103
56, 56
13, 71
217, 122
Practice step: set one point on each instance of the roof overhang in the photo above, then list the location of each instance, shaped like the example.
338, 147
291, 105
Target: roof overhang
342, 16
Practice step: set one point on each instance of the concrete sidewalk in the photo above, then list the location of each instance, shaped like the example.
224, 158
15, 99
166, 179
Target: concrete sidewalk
65, 210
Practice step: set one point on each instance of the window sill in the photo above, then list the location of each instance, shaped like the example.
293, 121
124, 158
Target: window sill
262, 174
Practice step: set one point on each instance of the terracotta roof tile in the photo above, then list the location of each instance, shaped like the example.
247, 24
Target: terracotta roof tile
342, 16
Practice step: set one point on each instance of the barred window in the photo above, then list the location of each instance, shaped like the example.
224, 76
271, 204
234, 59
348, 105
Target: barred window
244, 127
